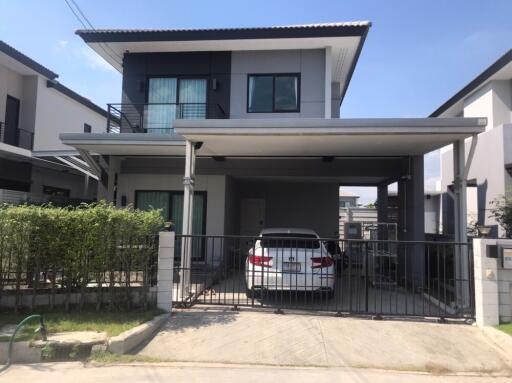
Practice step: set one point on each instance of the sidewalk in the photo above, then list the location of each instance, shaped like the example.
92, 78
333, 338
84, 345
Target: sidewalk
78, 373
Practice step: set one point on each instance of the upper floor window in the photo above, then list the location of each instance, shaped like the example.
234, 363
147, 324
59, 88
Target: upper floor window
273, 93
170, 98
87, 128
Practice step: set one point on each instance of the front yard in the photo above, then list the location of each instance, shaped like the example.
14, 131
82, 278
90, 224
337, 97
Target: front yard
506, 328
112, 323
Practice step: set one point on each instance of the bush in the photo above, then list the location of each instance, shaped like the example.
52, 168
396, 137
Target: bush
501, 210
76, 249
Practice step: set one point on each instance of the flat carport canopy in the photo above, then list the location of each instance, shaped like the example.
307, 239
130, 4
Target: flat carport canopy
296, 137
325, 137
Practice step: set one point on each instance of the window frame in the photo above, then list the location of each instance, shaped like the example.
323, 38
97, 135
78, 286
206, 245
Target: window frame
274, 75
87, 128
178, 78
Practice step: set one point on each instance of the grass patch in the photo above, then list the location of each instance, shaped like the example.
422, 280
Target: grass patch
108, 357
506, 328
113, 323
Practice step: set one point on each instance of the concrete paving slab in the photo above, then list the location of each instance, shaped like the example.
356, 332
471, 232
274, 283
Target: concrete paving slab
264, 338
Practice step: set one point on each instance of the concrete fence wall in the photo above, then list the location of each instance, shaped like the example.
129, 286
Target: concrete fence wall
165, 271
493, 282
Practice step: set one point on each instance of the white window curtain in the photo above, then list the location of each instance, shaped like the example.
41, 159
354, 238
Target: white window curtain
161, 111
193, 98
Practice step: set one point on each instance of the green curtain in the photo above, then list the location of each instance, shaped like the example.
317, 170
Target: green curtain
148, 200
193, 98
162, 93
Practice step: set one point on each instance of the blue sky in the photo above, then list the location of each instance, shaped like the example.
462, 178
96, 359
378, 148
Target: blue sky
417, 54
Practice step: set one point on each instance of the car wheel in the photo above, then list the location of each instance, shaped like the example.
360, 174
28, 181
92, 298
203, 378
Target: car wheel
252, 294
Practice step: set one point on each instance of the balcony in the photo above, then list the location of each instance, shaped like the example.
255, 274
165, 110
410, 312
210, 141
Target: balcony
18, 137
157, 117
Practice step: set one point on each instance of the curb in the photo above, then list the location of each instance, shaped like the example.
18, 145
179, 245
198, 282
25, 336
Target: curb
130, 339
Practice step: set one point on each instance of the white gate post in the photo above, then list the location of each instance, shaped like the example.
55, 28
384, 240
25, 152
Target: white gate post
165, 270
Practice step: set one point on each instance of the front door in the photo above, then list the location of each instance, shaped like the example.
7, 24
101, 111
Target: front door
252, 216
12, 116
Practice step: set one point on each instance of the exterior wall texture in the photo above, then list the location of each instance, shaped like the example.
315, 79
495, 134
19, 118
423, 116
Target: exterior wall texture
309, 63
139, 67
57, 113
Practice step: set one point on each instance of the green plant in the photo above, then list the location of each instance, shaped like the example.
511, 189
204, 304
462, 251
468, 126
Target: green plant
76, 249
48, 352
501, 210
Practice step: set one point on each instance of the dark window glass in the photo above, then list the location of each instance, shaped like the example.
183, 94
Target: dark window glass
55, 191
286, 93
87, 128
260, 94
273, 93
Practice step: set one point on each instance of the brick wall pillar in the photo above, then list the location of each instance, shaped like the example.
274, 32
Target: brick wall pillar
165, 270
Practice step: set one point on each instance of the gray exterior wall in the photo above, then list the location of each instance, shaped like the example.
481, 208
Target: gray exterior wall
309, 63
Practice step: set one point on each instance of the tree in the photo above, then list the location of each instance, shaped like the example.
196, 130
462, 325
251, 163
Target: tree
501, 210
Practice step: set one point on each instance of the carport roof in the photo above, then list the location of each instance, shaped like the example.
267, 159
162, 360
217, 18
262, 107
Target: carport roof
294, 137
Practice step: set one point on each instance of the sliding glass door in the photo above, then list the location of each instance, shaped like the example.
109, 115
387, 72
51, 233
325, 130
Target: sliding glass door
171, 205
170, 98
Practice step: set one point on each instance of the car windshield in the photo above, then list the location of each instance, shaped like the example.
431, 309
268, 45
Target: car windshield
290, 240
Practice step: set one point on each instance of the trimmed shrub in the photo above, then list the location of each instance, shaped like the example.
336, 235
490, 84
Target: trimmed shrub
91, 247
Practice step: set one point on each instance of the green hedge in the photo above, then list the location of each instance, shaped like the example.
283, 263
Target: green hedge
92, 247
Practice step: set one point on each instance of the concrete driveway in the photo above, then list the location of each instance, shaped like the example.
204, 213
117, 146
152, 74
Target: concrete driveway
264, 338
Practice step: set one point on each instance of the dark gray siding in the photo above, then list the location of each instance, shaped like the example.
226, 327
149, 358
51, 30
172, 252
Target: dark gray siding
138, 67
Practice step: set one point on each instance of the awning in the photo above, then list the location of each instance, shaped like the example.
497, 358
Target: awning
287, 137
326, 137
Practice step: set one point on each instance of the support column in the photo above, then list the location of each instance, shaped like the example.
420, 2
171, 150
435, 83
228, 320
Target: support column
411, 221
86, 186
461, 260
382, 210
188, 202
114, 169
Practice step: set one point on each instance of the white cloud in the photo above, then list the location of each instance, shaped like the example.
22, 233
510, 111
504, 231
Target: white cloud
95, 61
63, 44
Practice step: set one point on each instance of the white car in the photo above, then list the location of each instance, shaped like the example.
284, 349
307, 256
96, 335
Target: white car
291, 260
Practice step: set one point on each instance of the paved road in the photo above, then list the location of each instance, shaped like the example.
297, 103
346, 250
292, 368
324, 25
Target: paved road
78, 373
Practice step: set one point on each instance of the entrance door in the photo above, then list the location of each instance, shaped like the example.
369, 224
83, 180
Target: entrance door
252, 216
12, 114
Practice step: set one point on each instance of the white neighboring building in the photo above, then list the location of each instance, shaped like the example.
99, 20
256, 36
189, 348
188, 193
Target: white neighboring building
488, 95
34, 110
348, 199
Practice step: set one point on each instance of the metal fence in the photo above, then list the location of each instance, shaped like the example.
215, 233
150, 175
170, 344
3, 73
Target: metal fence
121, 281
157, 117
362, 277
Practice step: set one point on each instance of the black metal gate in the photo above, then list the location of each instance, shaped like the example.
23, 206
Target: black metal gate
351, 277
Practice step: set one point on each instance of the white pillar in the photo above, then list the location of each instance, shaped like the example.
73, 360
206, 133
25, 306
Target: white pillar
188, 202
165, 271
487, 307
328, 82
460, 207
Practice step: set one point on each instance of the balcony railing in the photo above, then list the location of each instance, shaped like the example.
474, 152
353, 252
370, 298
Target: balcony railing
157, 117
17, 137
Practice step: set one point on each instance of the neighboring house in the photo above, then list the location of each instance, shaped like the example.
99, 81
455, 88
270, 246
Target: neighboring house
348, 199
488, 95
34, 109
232, 130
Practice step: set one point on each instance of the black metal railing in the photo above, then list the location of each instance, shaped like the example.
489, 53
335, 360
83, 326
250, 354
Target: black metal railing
157, 117
361, 277
123, 279
17, 137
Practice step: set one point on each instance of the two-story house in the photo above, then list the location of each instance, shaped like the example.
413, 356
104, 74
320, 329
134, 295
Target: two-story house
232, 130
34, 109
488, 95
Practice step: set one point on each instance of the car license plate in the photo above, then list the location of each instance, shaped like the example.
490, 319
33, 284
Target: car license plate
291, 267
